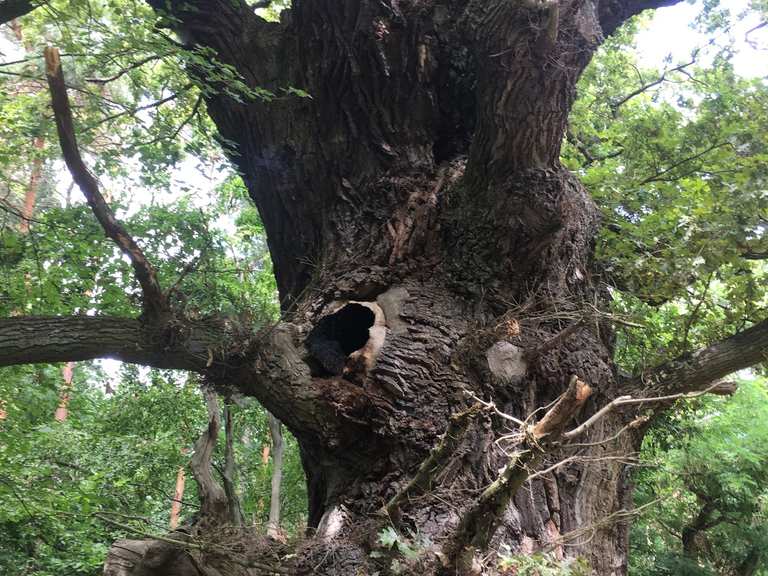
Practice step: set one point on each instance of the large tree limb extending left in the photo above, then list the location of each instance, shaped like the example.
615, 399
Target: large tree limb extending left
44, 339
155, 302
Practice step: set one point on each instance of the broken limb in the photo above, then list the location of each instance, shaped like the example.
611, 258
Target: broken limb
155, 303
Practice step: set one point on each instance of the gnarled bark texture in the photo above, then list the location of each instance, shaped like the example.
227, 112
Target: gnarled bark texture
422, 179
416, 198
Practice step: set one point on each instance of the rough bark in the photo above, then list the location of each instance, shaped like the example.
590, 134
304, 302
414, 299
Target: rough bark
695, 370
185, 346
417, 195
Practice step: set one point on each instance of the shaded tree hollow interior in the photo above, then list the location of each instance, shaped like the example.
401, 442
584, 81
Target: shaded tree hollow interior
336, 336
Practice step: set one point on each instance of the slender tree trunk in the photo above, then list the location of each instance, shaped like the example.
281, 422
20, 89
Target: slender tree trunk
62, 410
178, 494
278, 449
30, 196
178, 497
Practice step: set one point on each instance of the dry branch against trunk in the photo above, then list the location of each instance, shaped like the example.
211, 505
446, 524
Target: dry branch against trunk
479, 523
438, 458
155, 302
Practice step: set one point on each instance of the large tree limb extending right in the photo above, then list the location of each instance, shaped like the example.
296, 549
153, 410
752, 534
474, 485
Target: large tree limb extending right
696, 370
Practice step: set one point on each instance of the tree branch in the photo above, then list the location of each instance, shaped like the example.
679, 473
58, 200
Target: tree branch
647, 86
11, 9
214, 506
696, 370
155, 303
613, 13
33, 339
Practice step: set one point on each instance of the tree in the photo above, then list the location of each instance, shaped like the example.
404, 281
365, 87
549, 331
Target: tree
711, 518
430, 251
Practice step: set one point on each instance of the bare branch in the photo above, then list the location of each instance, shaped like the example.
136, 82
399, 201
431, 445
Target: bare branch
123, 71
647, 86
658, 177
214, 507
628, 400
155, 304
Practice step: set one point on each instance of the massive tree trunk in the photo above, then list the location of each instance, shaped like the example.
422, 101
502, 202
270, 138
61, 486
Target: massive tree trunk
430, 252
422, 180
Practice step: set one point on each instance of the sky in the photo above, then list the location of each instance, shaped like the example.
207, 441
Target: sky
670, 32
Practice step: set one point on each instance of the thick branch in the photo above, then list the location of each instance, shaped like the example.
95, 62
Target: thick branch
214, 506
27, 340
613, 13
154, 299
10, 9
227, 26
523, 97
695, 371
